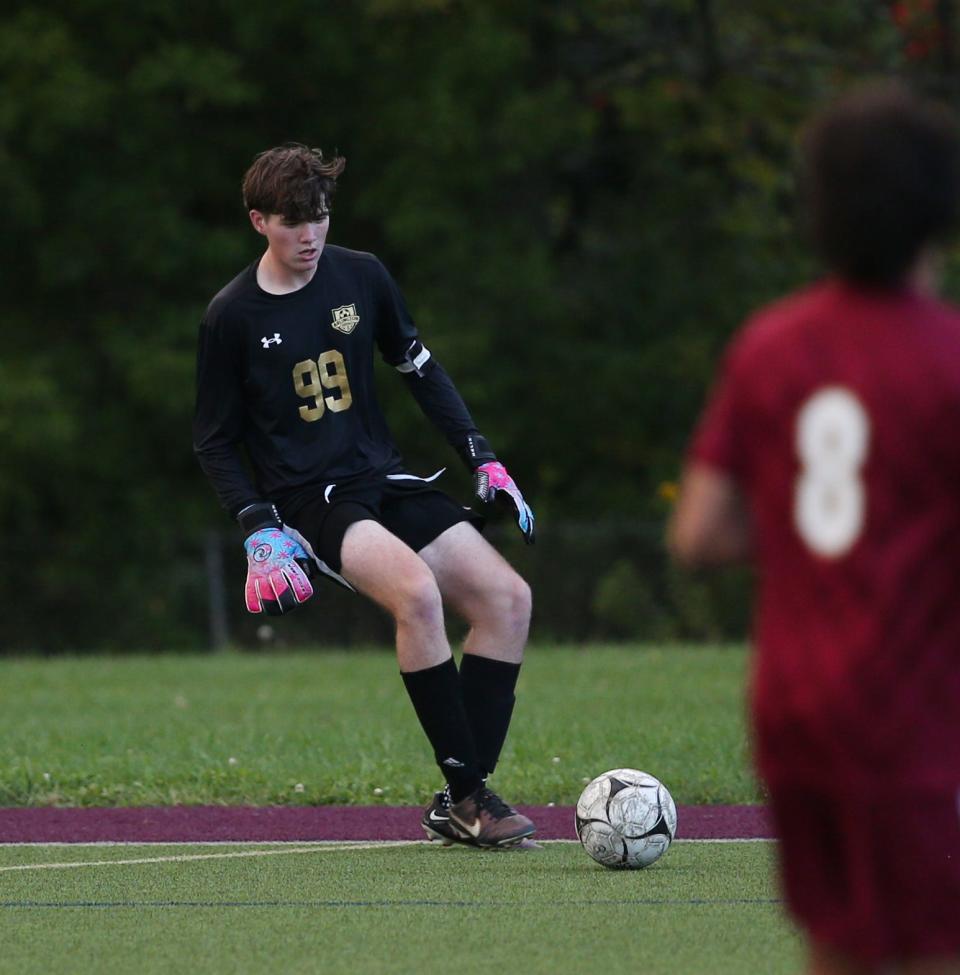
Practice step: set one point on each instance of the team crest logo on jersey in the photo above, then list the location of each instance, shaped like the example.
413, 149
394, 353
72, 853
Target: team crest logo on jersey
345, 318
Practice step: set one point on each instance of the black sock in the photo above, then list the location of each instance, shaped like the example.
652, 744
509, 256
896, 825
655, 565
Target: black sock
436, 697
488, 687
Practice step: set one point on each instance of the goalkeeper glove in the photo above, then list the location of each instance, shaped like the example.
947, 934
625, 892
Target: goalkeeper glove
277, 564
491, 478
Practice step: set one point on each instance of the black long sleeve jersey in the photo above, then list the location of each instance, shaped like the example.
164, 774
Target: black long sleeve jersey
289, 378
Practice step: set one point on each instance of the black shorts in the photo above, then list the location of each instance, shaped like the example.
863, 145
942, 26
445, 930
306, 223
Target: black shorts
408, 507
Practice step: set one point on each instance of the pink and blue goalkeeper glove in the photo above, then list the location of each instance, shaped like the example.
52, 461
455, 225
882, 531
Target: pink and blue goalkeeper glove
491, 479
277, 564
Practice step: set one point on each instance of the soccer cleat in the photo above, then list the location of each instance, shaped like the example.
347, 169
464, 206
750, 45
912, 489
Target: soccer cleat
437, 825
488, 822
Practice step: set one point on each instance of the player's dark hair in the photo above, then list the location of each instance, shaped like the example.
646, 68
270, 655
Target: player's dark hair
881, 179
293, 180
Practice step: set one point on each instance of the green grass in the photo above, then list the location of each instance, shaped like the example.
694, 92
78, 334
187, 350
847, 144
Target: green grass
250, 729
322, 728
702, 908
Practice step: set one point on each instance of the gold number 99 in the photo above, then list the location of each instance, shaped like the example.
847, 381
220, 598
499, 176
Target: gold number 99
311, 380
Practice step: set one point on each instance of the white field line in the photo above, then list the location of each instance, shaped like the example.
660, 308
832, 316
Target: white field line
338, 844
203, 856
276, 847
216, 844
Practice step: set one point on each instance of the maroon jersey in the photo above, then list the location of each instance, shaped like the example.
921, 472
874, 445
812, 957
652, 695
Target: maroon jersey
837, 413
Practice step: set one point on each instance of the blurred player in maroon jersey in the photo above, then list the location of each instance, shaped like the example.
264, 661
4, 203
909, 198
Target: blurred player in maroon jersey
829, 455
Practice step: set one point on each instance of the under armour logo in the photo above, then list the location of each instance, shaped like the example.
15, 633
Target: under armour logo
276, 340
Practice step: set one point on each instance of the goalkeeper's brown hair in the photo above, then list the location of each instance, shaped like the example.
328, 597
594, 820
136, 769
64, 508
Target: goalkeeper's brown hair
880, 177
292, 180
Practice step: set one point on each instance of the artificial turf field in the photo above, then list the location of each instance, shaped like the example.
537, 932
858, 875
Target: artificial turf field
318, 729
706, 908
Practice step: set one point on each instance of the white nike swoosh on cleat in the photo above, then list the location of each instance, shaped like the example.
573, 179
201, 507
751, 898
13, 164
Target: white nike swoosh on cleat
434, 818
472, 828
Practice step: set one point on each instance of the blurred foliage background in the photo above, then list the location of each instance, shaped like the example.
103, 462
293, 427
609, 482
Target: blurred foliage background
581, 199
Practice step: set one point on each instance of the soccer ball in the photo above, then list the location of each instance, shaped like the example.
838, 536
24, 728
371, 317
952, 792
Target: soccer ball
626, 819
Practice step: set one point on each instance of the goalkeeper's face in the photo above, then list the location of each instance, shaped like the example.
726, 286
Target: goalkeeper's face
295, 246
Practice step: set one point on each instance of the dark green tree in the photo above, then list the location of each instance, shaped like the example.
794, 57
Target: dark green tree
580, 200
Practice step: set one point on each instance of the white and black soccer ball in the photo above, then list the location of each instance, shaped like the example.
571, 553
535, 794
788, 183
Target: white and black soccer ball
626, 819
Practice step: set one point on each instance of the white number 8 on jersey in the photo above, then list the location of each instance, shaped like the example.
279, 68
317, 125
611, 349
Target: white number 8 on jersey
833, 436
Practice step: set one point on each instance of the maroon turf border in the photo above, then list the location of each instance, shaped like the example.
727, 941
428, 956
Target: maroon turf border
199, 824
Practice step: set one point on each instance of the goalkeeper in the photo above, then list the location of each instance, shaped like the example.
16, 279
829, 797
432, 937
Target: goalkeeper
285, 381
